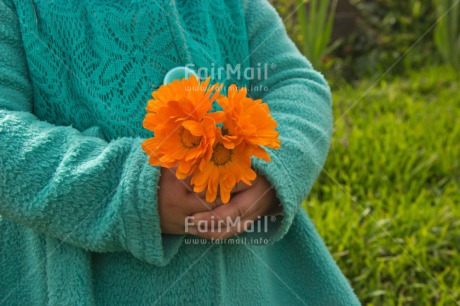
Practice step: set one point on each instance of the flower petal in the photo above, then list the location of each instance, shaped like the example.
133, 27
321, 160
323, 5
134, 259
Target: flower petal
194, 127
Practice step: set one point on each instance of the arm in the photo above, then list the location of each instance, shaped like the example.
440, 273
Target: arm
80, 189
299, 100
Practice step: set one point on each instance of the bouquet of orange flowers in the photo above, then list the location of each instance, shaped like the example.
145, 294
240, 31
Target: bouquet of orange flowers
214, 148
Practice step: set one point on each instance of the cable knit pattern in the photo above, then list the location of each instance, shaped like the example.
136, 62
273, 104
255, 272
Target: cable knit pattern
78, 199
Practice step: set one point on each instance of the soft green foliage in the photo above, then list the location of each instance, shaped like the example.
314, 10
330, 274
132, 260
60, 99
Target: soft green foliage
389, 33
388, 201
447, 31
316, 28
393, 31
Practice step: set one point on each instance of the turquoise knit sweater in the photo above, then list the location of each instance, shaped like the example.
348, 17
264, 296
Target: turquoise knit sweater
78, 199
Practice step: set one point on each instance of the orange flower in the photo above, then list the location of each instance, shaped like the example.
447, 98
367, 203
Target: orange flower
191, 89
250, 121
228, 165
187, 135
199, 95
184, 131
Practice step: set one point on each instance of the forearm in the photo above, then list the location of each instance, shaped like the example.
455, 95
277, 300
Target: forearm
81, 189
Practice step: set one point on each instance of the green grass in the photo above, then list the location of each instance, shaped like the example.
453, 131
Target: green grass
388, 201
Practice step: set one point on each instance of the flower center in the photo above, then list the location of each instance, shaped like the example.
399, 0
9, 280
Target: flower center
221, 155
188, 140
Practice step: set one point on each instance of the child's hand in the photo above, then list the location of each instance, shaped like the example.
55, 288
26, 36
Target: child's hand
176, 201
247, 204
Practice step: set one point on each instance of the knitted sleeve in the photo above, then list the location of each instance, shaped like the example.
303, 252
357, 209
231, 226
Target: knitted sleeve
299, 100
57, 181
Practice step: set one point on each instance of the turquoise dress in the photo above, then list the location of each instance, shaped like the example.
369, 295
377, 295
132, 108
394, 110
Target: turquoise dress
79, 223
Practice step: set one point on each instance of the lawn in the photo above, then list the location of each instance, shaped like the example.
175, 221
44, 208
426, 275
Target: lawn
388, 200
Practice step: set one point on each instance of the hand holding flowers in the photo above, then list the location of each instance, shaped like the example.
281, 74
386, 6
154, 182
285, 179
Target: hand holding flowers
214, 148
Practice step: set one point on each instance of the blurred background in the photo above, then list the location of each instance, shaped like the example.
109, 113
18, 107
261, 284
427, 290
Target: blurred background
388, 200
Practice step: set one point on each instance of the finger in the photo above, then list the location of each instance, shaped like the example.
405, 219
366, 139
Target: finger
261, 199
188, 185
239, 228
220, 233
247, 219
250, 203
224, 213
197, 204
227, 213
218, 201
241, 186
214, 204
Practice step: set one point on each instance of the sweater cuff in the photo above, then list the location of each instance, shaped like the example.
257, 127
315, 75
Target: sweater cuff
143, 237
